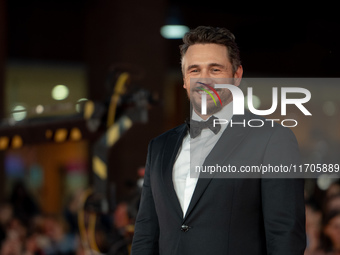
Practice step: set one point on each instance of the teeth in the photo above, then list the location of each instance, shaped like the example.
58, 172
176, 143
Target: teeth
203, 92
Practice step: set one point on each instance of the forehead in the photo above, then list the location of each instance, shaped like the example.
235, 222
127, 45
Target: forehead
206, 53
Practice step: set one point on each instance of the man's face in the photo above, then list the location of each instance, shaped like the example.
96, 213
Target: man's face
207, 64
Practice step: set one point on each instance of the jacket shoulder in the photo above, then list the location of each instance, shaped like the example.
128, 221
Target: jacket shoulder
174, 131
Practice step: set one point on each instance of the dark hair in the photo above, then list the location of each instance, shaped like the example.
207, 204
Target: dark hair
217, 35
326, 243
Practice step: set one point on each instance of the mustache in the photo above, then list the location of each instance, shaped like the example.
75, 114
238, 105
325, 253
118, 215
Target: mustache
205, 86
198, 85
200, 88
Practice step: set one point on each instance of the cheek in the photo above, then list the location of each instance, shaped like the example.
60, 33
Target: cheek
186, 84
225, 93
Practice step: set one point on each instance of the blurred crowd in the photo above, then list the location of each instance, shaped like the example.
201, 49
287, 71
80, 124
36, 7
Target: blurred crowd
323, 222
25, 229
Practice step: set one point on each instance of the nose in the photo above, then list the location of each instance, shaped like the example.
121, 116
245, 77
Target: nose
205, 74
205, 80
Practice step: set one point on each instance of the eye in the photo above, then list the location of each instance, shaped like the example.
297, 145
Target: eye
194, 71
216, 70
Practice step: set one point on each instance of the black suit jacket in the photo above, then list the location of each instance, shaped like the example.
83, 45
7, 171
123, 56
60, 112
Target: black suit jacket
226, 215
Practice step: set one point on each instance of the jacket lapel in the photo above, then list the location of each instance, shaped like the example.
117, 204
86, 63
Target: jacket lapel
172, 145
230, 139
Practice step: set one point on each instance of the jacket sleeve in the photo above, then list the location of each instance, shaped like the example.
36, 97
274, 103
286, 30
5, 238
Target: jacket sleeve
283, 198
145, 240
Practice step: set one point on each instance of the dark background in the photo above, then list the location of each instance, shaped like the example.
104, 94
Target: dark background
274, 42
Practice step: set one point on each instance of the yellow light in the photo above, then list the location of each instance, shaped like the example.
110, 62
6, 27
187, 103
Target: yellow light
99, 167
88, 110
75, 134
17, 142
3, 142
60, 135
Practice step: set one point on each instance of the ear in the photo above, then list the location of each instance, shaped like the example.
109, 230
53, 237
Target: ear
238, 75
184, 83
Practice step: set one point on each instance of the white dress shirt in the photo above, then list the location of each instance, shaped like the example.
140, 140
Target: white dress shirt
195, 151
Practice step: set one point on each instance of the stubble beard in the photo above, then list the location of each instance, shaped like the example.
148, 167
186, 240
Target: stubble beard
211, 107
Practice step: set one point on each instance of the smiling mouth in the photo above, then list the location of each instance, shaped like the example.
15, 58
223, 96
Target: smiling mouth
203, 91
207, 89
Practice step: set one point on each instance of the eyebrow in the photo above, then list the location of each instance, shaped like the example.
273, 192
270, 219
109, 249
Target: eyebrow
210, 65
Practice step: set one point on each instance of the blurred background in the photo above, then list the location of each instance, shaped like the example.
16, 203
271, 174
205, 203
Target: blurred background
85, 85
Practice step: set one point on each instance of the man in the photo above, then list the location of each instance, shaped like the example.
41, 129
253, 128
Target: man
245, 216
